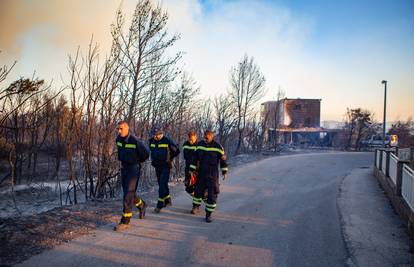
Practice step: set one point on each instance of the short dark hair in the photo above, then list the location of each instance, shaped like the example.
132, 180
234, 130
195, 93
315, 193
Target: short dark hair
156, 130
123, 122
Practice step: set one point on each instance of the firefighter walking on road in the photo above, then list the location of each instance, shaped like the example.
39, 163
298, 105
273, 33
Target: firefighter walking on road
131, 153
189, 148
163, 151
207, 158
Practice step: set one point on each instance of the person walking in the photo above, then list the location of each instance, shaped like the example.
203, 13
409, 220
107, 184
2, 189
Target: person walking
163, 151
131, 153
208, 157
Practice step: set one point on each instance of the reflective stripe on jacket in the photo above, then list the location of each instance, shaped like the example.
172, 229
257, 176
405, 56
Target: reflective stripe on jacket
131, 150
163, 151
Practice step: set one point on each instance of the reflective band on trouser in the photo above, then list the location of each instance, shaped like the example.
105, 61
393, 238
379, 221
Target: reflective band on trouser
165, 198
221, 151
127, 215
193, 167
118, 143
163, 145
225, 169
210, 207
130, 146
139, 203
196, 201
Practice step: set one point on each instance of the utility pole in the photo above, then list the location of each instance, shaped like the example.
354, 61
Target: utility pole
384, 82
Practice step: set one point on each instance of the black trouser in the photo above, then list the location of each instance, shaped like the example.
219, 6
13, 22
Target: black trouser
208, 179
130, 177
163, 176
188, 188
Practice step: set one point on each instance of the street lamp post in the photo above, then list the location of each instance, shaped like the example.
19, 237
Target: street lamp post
384, 82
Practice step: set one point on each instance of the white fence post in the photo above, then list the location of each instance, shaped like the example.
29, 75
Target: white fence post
384, 162
387, 163
400, 169
380, 159
393, 168
407, 187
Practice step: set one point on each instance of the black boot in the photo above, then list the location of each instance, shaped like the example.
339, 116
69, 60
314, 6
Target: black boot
142, 207
167, 202
160, 205
123, 224
195, 209
208, 217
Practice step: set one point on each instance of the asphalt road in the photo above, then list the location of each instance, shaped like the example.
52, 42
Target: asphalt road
280, 211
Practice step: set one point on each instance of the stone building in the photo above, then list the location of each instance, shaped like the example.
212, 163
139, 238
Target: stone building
295, 121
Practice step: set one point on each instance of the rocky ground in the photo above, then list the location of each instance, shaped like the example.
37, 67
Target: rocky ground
24, 236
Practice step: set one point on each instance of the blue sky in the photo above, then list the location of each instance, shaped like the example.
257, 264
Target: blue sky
335, 23
356, 41
338, 51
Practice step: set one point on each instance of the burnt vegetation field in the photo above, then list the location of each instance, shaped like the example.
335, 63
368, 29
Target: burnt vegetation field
57, 143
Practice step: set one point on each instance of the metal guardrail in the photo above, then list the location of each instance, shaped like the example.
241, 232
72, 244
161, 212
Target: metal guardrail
384, 162
396, 176
393, 169
399, 173
378, 158
407, 188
